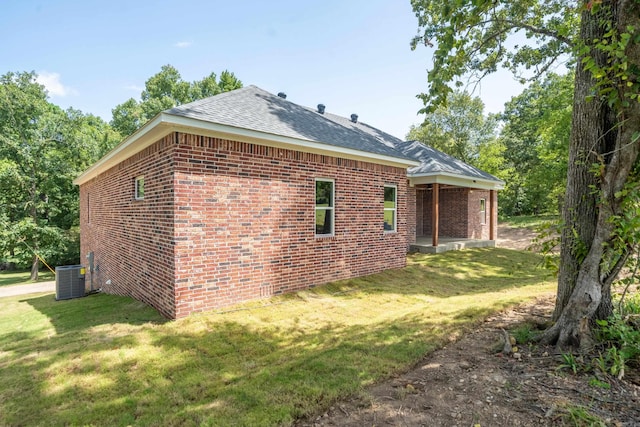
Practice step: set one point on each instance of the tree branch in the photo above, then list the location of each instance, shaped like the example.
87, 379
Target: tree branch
541, 31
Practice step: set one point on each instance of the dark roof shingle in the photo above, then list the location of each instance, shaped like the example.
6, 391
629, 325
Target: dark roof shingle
255, 109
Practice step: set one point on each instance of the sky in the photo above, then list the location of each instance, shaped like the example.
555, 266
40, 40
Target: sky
351, 55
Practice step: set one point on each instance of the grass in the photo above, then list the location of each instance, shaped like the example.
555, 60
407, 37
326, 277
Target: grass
8, 278
110, 360
529, 221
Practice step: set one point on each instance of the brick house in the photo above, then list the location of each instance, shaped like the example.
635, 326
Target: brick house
245, 195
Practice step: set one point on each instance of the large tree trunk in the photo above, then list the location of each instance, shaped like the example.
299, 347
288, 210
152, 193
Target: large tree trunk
580, 212
588, 265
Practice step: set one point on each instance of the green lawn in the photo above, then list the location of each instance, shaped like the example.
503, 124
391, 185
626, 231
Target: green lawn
22, 277
109, 360
529, 221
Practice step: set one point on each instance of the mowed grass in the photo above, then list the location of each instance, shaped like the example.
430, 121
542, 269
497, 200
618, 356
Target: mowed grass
530, 221
109, 360
22, 277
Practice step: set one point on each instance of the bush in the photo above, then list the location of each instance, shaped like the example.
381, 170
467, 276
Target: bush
621, 337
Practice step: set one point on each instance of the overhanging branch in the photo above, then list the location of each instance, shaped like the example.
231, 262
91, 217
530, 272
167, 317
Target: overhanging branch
542, 31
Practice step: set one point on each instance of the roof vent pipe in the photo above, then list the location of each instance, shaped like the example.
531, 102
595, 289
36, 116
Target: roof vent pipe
321, 108
282, 95
354, 118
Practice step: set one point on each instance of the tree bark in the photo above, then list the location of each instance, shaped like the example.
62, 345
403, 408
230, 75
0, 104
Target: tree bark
34, 268
579, 214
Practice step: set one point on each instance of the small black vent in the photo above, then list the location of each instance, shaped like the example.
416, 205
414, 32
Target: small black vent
321, 108
354, 118
282, 95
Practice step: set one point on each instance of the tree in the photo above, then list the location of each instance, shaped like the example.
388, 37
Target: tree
165, 90
42, 148
536, 139
603, 39
458, 128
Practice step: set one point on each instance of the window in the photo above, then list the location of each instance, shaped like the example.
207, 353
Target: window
324, 207
139, 190
483, 211
390, 203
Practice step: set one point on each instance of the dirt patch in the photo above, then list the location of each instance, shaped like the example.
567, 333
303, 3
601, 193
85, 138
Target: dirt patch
514, 238
470, 382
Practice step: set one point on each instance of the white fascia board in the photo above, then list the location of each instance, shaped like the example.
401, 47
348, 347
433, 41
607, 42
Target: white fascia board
163, 124
457, 180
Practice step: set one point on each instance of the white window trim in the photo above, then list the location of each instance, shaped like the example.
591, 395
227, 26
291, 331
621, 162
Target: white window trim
394, 209
483, 211
139, 178
331, 209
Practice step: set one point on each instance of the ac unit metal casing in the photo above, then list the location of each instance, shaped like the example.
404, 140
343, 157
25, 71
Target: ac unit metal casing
70, 282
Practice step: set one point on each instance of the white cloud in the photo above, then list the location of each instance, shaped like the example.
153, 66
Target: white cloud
182, 45
134, 88
51, 82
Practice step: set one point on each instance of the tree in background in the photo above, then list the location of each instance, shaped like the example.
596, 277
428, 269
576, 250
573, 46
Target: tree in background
165, 90
42, 149
535, 137
458, 128
473, 38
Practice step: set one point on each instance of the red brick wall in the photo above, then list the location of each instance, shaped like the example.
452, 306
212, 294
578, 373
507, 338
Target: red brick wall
224, 222
245, 222
478, 229
132, 240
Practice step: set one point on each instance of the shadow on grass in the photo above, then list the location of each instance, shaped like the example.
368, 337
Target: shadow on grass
110, 360
98, 309
211, 372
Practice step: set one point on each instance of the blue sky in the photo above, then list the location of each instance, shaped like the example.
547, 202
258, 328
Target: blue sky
351, 55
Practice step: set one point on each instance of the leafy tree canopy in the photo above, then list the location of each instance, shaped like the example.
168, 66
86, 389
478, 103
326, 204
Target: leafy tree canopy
473, 38
42, 149
459, 128
165, 90
535, 136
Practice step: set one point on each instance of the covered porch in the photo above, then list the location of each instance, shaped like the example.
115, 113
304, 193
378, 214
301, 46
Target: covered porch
456, 204
453, 217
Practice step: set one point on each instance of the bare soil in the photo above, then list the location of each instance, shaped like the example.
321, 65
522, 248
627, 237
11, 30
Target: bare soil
470, 382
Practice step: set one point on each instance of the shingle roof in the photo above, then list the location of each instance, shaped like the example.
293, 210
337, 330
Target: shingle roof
258, 110
433, 161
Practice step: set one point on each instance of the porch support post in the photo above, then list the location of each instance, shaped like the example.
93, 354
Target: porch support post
492, 214
435, 215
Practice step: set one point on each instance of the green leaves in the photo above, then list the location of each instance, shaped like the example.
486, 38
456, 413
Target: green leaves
42, 149
472, 38
165, 90
458, 128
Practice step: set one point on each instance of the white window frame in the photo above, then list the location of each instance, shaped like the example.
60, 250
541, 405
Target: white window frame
328, 209
483, 211
137, 194
394, 209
